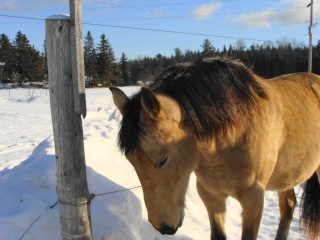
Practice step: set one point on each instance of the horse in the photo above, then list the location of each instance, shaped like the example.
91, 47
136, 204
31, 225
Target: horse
239, 133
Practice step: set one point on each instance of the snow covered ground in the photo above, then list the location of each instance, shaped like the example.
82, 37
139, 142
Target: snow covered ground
28, 183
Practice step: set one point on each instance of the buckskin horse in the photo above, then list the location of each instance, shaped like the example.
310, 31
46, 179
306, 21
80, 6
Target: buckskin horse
241, 134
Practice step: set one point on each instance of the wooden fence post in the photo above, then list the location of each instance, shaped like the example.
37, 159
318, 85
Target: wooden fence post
77, 59
72, 187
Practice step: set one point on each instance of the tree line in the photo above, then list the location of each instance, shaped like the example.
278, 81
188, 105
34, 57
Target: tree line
21, 62
269, 59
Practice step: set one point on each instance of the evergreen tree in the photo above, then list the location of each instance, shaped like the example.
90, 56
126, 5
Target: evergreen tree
108, 70
178, 55
158, 65
37, 73
230, 52
136, 71
190, 56
208, 49
44, 58
23, 56
224, 51
90, 60
124, 70
6, 58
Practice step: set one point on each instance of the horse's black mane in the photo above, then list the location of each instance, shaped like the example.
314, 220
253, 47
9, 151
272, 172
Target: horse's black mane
213, 94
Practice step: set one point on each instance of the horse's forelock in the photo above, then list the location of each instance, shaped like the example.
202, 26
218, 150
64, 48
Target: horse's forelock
130, 127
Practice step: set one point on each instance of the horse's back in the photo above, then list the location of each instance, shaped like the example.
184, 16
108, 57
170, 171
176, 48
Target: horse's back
299, 78
296, 94
296, 100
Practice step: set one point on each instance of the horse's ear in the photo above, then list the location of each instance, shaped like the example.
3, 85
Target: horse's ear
150, 103
119, 98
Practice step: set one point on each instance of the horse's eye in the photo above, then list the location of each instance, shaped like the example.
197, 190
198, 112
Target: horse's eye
162, 162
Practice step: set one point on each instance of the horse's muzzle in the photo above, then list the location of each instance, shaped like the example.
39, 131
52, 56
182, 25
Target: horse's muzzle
168, 230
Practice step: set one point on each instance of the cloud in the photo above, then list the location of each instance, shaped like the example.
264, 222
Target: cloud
204, 11
252, 20
288, 12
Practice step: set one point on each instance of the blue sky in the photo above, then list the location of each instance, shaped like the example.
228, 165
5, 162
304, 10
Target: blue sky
144, 28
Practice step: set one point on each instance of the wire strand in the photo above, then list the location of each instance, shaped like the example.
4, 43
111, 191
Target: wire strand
91, 196
47, 209
153, 30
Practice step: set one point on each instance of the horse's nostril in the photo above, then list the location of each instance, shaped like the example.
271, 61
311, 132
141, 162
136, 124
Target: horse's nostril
167, 230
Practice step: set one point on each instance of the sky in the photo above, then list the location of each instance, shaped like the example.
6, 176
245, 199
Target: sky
142, 28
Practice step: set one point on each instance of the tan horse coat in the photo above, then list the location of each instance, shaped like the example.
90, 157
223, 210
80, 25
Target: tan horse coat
275, 146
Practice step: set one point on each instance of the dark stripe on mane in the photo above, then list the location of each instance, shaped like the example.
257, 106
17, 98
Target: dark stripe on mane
213, 94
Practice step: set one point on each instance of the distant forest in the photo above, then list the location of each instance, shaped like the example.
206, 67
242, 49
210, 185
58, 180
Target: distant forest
20, 62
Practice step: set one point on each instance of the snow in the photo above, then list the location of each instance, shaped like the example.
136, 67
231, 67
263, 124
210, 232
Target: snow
61, 16
28, 183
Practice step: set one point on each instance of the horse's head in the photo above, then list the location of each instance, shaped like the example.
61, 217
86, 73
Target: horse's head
163, 158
